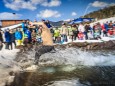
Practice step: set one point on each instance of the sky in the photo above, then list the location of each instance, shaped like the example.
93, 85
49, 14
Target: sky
53, 10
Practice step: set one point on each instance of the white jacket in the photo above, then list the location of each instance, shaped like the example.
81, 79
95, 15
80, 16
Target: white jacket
81, 28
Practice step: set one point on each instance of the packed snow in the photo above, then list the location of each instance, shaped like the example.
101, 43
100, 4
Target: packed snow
104, 21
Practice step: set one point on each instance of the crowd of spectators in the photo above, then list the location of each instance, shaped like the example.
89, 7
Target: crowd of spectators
84, 31
31, 34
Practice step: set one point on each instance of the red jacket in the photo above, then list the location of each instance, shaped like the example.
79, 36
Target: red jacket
103, 27
80, 35
110, 32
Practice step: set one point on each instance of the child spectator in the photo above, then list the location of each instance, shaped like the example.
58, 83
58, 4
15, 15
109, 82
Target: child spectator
97, 34
33, 35
18, 36
80, 36
90, 35
110, 32
38, 36
56, 35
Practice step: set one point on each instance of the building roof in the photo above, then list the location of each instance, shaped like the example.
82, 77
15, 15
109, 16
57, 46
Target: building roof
14, 20
11, 27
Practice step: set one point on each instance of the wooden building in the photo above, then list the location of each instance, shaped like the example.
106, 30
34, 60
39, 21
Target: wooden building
5, 23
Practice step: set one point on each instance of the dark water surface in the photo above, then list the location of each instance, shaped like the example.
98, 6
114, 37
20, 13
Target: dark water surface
71, 67
76, 76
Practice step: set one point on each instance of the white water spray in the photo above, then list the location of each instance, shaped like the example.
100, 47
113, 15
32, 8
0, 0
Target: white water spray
72, 56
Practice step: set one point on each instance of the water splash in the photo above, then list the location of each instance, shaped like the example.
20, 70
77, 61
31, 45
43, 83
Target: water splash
72, 56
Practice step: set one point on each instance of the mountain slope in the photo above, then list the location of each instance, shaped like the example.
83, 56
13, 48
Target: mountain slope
102, 13
59, 23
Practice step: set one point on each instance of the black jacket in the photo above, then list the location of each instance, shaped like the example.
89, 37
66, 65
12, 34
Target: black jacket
1, 39
12, 35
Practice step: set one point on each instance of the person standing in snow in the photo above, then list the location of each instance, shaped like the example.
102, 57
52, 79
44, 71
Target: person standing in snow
104, 30
81, 28
80, 36
64, 32
28, 32
7, 39
18, 36
1, 40
56, 35
33, 35
12, 35
106, 25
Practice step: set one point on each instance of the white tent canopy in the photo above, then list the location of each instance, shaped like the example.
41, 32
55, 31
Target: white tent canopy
11, 27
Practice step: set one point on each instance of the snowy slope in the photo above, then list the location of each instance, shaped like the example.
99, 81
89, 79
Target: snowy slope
104, 20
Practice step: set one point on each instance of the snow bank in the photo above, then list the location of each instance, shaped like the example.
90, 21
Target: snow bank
92, 41
104, 20
7, 56
7, 64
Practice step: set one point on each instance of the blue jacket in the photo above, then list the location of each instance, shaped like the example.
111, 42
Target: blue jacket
48, 25
29, 34
23, 25
18, 35
24, 28
7, 37
106, 27
113, 25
